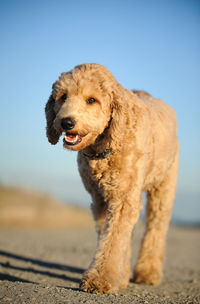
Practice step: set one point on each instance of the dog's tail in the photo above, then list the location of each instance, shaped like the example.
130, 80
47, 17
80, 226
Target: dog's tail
140, 93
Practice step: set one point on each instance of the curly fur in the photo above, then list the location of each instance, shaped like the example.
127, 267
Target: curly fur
141, 132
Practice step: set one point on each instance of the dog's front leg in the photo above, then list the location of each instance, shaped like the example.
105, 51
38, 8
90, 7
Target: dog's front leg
106, 272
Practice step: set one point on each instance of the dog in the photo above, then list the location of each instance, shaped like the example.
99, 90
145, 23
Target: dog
127, 143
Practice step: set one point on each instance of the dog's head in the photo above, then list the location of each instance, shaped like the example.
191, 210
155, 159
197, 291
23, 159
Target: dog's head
82, 105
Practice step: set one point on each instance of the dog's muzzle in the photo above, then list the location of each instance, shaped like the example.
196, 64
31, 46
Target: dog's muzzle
68, 123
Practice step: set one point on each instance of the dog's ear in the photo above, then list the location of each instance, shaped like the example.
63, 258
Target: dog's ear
118, 114
52, 134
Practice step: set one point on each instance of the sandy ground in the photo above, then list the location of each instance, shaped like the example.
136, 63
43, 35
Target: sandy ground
44, 266
27, 209
46, 246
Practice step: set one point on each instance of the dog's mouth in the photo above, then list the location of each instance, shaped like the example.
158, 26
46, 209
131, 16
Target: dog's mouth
72, 139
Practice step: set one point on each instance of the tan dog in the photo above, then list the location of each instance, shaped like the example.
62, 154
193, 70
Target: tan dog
127, 143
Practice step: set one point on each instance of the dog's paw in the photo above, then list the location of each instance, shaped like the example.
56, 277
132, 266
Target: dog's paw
147, 276
124, 282
96, 285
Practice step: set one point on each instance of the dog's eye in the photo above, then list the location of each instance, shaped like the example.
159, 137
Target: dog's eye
91, 100
63, 98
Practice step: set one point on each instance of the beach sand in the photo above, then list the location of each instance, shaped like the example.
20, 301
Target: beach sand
44, 263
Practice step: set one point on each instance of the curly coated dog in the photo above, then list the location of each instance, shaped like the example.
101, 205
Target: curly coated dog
127, 143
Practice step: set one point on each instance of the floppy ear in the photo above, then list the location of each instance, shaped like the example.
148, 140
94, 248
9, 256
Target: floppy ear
118, 115
52, 134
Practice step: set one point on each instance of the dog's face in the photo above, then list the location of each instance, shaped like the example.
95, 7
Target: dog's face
80, 106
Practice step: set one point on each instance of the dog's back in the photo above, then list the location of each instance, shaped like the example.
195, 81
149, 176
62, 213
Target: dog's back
161, 131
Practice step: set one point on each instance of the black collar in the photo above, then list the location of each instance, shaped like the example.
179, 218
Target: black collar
103, 155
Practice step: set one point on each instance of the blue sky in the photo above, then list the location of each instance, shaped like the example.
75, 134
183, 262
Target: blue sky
151, 45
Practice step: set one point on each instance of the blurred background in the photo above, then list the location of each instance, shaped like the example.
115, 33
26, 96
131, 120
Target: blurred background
151, 45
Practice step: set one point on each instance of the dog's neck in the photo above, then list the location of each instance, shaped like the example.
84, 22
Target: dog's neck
93, 152
95, 156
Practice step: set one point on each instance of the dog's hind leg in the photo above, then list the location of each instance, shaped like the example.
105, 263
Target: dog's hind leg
99, 209
160, 199
127, 268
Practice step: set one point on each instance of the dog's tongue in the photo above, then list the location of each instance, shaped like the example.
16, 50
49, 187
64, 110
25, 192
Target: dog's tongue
72, 138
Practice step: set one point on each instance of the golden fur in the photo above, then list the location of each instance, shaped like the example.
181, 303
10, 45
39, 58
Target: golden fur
141, 134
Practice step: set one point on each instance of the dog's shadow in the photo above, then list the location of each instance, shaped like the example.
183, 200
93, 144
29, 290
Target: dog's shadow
44, 264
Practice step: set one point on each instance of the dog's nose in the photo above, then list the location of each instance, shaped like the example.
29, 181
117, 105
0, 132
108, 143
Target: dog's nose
67, 123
